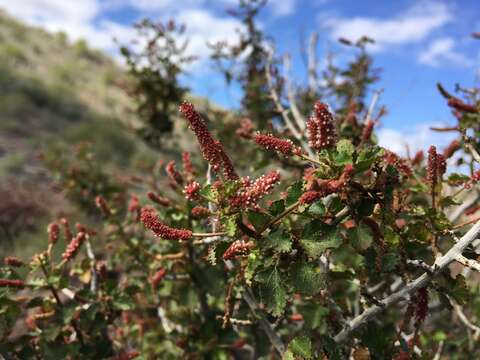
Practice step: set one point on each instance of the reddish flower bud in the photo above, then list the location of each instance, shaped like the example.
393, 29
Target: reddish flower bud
67, 233
192, 191
246, 128
158, 277
73, 246
421, 305
151, 221
296, 317
53, 231
13, 261
200, 212
212, 150
418, 158
394, 160
102, 205
436, 166
310, 197
187, 165
461, 106
321, 128
250, 193
12, 283
83, 228
160, 200
367, 131
173, 173
134, 204
451, 149
271, 142
238, 247
473, 180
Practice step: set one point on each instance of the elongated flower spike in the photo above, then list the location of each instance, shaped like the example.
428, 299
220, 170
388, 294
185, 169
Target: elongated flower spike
151, 221
103, 206
12, 283
238, 247
461, 106
321, 128
451, 149
73, 246
13, 261
284, 146
251, 192
160, 200
173, 174
212, 150
53, 231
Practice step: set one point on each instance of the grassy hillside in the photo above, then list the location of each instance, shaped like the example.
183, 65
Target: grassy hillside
54, 95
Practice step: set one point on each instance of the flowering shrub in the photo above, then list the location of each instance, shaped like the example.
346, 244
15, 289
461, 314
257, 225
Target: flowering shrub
361, 254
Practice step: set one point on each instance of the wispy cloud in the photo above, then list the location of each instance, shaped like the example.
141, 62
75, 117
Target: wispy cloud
443, 52
412, 25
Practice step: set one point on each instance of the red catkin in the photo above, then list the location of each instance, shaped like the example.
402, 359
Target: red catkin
250, 193
284, 146
238, 247
187, 165
461, 106
158, 277
212, 150
160, 200
200, 212
436, 166
310, 197
173, 174
53, 231
12, 283
67, 233
421, 305
134, 204
451, 149
13, 261
246, 128
418, 158
102, 205
192, 191
151, 221
321, 128
73, 246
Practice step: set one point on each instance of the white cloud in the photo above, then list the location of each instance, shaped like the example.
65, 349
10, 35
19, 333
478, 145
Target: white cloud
282, 7
420, 138
413, 25
442, 52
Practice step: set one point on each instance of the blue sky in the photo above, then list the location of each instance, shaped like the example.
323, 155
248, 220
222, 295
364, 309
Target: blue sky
419, 42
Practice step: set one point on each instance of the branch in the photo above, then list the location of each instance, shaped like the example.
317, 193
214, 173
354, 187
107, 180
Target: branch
93, 262
276, 99
312, 62
472, 264
421, 281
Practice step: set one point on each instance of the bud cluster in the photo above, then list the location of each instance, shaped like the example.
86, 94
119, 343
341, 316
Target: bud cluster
436, 166
321, 128
158, 277
173, 174
284, 146
13, 261
212, 150
200, 212
192, 191
246, 128
73, 246
238, 247
102, 205
53, 231
12, 283
187, 165
160, 200
151, 221
251, 192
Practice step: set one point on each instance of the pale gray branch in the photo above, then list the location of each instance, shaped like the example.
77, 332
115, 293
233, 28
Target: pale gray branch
421, 281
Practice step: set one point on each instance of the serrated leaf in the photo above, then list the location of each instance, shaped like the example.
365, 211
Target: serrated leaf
208, 193
258, 219
230, 225
294, 193
360, 237
272, 291
305, 278
278, 240
317, 208
367, 157
318, 237
345, 150
253, 262
301, 346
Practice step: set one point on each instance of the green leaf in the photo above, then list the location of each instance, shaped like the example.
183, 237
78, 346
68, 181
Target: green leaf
294, 193
301, 346
277, 207
317, 208
230, 225
272, 291
278, 240
305, 278
318, 237
367, 157
345, 150
253, 262
123, 302
360, 237
208, 193
258, 219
